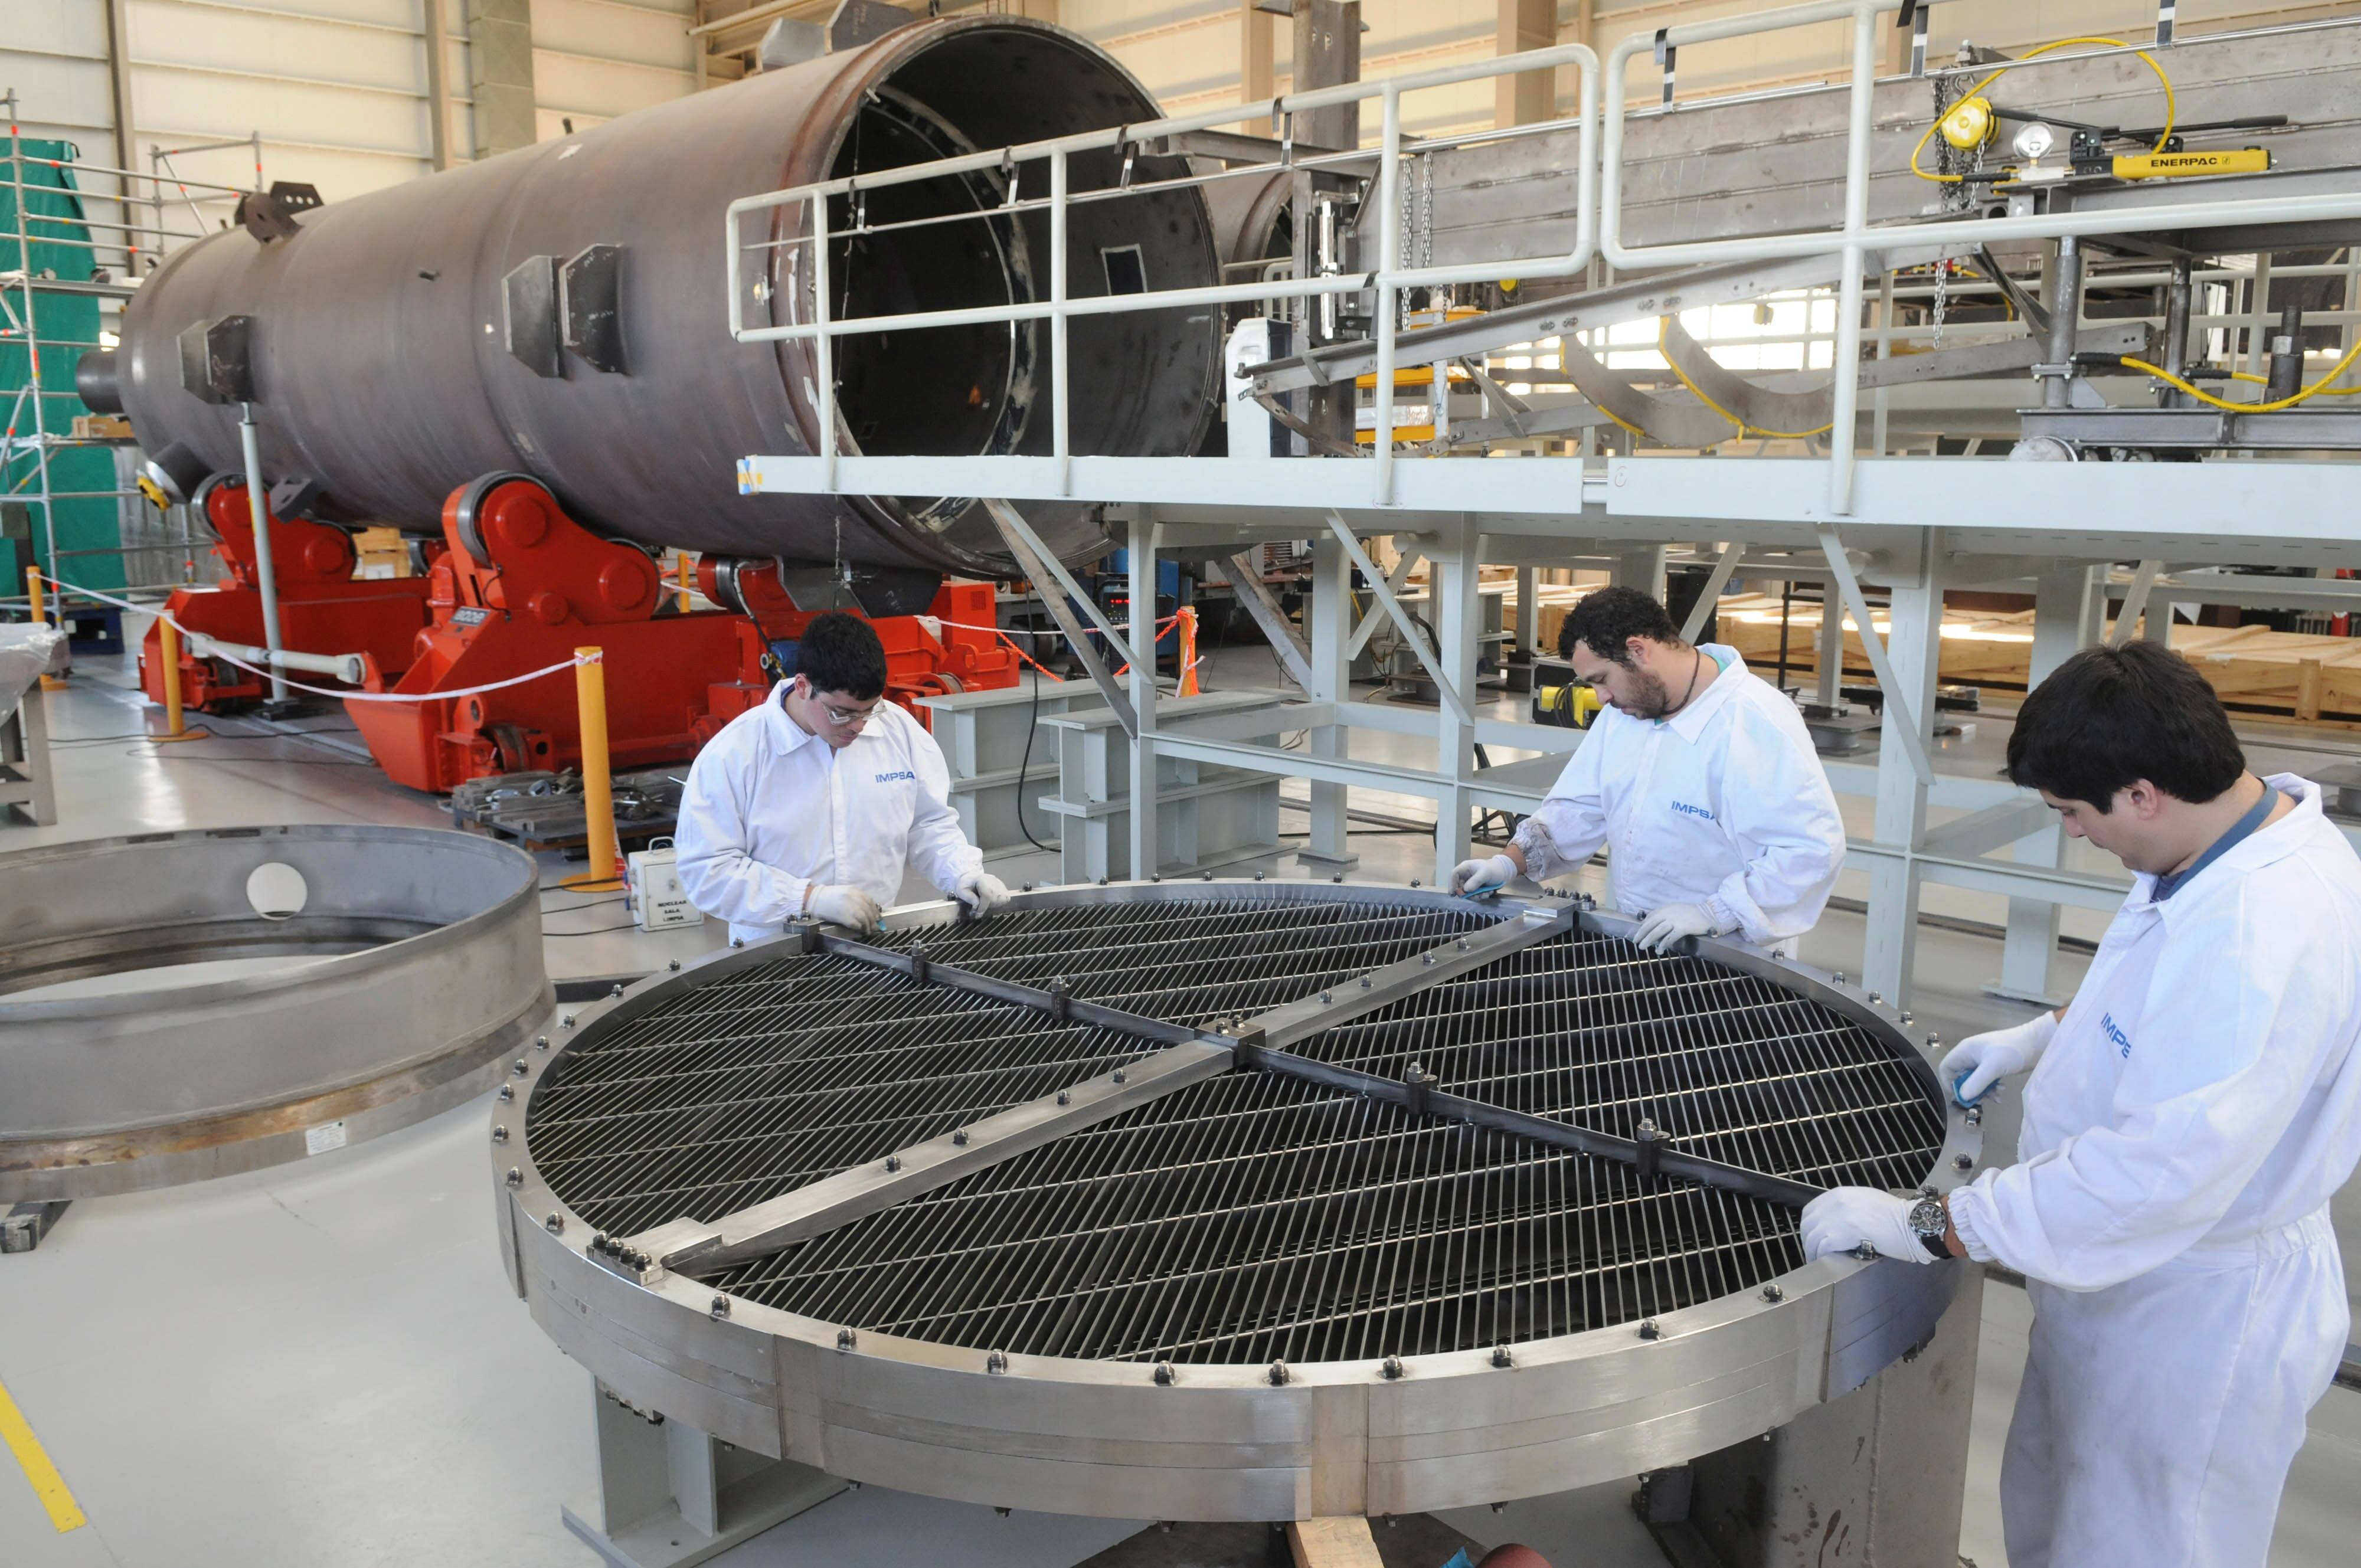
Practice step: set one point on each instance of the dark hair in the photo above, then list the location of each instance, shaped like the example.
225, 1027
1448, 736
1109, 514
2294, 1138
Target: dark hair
840, 653
2110, 716
1608, 619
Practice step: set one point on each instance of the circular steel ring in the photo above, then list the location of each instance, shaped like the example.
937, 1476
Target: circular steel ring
429, 973
1133, 1439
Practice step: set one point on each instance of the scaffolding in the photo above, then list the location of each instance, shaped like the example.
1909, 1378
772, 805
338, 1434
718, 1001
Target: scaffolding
55, 255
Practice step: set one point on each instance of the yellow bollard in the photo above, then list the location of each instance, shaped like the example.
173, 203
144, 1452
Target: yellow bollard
598, 791
40, 618
168, 650
682, 575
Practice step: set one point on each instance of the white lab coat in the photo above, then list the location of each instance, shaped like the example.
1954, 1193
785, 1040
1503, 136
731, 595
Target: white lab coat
771, 810
2183, 1132
1723, 805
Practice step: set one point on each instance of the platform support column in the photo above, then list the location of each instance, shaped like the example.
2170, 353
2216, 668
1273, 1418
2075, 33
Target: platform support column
1147, 844
1452, 573
1330, 618
2068, 607
1913, 651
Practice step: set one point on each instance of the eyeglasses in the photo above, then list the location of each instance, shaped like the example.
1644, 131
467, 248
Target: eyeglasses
853, 716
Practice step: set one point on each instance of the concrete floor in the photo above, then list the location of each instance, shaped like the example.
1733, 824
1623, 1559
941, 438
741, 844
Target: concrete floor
321, 1364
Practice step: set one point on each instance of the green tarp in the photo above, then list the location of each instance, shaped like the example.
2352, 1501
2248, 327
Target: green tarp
65, 326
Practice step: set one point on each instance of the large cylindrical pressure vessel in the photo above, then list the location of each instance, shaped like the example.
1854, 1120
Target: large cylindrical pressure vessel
400, 342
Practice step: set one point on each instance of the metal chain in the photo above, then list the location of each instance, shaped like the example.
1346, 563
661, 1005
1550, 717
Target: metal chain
1405, 222
1426, 214
1942, 298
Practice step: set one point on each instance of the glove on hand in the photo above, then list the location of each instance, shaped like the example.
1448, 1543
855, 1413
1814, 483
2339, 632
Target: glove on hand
1667, 926
1842, 1218
981, 891
843, 905
1978, 1062
1489, 874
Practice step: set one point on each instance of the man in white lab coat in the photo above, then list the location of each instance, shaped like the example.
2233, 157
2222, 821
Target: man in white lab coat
1699, 778
2189, 1114
810, 803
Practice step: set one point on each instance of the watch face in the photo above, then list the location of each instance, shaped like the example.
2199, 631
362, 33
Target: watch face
1927, 1217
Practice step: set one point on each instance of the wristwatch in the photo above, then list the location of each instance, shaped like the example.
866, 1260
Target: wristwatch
1930, 1221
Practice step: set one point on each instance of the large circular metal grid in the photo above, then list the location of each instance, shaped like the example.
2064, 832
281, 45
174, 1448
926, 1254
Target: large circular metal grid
782, 1073
1248, 1218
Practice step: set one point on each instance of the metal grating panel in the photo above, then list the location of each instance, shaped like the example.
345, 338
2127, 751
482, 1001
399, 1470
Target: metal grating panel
1597, 1033
750, 1085
1253, 1218
1188, 961
764, 1080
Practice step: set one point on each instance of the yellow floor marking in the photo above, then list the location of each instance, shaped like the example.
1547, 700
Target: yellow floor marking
47, 1485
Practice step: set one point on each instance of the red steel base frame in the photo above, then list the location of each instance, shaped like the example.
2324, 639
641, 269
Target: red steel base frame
323, 607
673, 678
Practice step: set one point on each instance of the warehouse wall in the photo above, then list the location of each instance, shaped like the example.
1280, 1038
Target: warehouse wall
336, 89
1187, 51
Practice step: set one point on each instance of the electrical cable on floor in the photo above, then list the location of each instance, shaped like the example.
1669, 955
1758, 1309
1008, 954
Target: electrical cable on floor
68, 743
594, 930
178, 756
586, 904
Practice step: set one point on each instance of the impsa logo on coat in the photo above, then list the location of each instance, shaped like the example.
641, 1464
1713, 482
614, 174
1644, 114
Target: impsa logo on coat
1685, 807
900, 774
2114, 1032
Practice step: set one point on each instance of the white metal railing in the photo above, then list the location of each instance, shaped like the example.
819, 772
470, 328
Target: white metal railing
1387, 279
1599, 194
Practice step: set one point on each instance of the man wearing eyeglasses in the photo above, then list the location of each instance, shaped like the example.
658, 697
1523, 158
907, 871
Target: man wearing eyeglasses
811, 803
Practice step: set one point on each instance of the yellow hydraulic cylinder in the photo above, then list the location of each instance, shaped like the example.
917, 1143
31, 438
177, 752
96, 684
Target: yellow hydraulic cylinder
2180, 165
681, 575
597, 790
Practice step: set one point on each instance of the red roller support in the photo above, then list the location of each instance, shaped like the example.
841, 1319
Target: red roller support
323, 607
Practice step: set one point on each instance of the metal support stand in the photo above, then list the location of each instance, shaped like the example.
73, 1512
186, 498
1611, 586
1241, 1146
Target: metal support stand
670, 1496
1331, 622
1872, 1477
266, 575
28, 782
22, 1228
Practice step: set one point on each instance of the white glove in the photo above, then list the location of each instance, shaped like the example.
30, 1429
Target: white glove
1667, 926
1978, 1062
981, 892
1842, 1218
1489, 874
844, 906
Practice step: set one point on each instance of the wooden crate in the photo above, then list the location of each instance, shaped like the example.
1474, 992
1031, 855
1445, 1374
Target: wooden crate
2250, 667
384, 553
1978, 647
1557, 599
